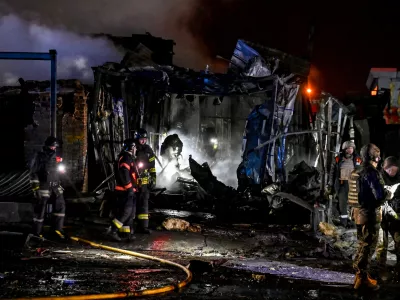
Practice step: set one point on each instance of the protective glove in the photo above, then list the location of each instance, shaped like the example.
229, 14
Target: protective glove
389, 195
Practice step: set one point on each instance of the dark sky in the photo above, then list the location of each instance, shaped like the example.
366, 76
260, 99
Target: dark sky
351, 36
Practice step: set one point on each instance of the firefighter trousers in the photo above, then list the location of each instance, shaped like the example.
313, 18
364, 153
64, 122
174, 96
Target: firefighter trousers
125, 211
143, 207
392, 228
40, 206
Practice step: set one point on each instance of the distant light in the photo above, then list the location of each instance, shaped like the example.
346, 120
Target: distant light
309, 91
214, 141
140, 165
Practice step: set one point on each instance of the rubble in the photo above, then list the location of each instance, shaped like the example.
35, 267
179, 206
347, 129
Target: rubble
180, 225
328, 229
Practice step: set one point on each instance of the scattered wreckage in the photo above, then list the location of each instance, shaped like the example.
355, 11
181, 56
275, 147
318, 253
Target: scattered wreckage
202, 114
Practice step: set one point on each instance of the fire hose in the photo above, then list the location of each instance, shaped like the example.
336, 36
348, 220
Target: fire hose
118, 295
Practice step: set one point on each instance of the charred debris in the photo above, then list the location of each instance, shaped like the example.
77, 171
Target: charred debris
249, 144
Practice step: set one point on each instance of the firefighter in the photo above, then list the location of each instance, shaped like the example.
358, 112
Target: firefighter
371, 195
44, 178
126, 175
390, 223
340, 172
147, 178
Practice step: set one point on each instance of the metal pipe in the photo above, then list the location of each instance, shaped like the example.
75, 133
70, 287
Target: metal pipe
338, 130
328, 141
284, 134
342, 131
351, 129
53, 93
52, 56
125, 103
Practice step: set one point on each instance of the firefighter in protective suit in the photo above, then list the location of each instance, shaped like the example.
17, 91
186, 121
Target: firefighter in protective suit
339, 175
126, 184
44, 178
368, 216
146, 160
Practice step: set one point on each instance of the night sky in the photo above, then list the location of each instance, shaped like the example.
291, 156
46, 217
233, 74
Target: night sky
350, 36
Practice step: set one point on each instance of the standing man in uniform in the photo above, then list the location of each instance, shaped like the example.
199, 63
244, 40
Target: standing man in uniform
340, 172
371, 195
126, 175
390, 219
44, 178
147, 179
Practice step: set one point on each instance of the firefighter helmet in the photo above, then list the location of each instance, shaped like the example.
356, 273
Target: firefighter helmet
348, 144
129, 144
141, 134
51, 141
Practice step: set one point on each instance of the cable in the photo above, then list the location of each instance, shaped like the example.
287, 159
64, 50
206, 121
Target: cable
11, 187
161, 290
7, 179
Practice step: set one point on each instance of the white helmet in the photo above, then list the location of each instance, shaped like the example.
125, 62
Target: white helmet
348, 144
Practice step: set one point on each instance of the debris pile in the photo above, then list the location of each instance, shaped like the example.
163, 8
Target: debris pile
180, 225
339, 243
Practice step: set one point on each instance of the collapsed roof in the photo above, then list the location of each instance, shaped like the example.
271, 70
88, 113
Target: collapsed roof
249, 72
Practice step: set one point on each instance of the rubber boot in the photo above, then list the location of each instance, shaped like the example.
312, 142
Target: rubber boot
124, 232
143, 227
371, 283
37, 229
113, 234
131, 236
358, 280
365, 282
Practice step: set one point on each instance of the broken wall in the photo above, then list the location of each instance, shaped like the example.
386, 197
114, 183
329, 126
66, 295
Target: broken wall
74, 136
71, 131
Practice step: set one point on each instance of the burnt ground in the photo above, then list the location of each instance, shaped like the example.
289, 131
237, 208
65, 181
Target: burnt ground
228, 262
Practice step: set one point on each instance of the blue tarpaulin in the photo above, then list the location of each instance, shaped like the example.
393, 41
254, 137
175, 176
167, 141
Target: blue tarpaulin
264, 123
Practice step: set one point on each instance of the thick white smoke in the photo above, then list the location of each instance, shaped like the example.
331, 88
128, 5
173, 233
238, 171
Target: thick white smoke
76, 54
224, 167
41, 25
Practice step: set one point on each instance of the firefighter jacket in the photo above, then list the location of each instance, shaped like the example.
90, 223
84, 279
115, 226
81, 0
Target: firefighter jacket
126, 173
147, 161
43, 172
334, 176
371, 195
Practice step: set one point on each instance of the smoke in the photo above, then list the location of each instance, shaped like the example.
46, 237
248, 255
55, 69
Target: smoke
37, 26
224, 167
76, 54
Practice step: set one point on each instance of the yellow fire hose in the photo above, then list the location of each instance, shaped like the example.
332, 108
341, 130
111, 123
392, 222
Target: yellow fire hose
160, 290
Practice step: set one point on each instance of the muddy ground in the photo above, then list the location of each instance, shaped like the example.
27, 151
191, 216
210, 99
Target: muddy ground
239, 261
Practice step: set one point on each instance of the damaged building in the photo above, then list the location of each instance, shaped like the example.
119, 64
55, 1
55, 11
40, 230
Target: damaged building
249, 140
249, 149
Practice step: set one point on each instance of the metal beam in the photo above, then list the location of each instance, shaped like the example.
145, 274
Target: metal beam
27, 55
52, 56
